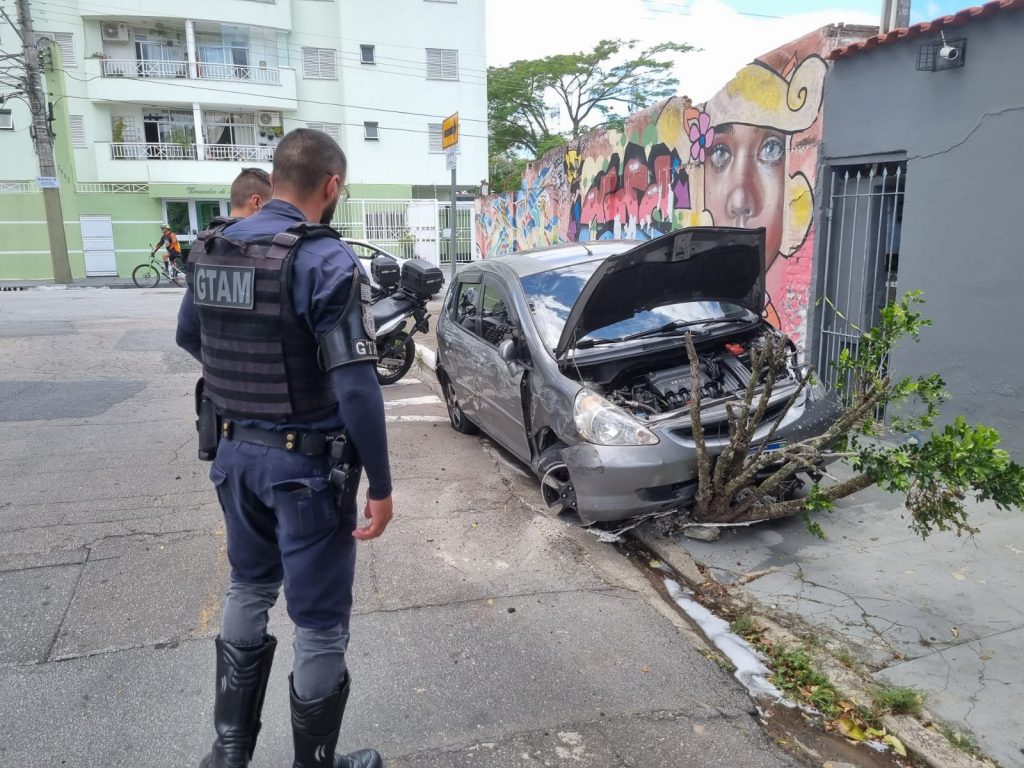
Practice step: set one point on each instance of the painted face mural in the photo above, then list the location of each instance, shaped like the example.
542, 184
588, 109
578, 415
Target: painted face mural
743, 159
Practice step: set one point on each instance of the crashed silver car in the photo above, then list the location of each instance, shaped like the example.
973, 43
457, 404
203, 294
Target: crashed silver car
573, 359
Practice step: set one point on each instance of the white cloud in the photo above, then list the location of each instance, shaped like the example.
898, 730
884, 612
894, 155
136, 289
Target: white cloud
527, 29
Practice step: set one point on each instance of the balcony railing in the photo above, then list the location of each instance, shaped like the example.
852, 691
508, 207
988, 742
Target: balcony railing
152, 151
208, 71
144, 68
175, 69
239, 153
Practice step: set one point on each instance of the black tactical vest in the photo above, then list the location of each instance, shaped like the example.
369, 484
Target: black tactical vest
259, 359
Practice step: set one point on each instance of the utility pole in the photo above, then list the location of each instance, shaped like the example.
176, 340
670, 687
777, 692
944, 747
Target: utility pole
40, 132
895, 15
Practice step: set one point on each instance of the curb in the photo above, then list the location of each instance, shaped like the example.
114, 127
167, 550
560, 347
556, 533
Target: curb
925, 743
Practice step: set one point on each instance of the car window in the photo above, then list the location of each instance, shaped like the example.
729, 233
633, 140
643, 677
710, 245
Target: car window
497, 319
552, 294
462, 305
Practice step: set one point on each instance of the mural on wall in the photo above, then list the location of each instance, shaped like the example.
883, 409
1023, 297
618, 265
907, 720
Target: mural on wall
745, 158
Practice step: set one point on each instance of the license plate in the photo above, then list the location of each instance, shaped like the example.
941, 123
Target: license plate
767, 448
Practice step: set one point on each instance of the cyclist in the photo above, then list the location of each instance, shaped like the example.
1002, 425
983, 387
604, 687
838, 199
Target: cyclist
172, 250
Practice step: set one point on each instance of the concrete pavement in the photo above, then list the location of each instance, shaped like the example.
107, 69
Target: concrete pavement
485, 634
943, 615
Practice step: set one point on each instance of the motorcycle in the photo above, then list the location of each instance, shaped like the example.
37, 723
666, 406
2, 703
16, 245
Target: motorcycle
400, 297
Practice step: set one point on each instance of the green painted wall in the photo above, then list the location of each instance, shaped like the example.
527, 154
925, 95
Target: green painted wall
380, 191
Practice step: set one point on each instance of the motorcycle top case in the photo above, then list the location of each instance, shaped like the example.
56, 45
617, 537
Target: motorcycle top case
421, 277
386, 272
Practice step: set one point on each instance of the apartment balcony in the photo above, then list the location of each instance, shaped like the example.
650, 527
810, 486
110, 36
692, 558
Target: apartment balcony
239, 153
148, 81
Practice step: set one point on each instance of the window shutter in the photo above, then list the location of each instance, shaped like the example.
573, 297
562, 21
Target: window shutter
78, 131
442, 64
319, 64
434, 131
331, 129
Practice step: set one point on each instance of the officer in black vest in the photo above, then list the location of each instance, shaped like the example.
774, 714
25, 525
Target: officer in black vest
277, 311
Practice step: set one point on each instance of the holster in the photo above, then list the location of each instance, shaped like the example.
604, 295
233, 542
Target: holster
207, 424
346, 469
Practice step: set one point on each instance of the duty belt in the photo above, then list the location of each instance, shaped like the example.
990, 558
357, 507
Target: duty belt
304, 441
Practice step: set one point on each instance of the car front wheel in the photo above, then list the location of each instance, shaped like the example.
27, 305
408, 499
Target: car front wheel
556, 487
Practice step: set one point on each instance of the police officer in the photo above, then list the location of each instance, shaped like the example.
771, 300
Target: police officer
277, 312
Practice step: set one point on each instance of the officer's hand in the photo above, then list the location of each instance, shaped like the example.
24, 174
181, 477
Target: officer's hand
379, 514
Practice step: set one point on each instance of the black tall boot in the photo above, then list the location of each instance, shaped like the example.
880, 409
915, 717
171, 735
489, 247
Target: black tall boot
242, 675
315, 728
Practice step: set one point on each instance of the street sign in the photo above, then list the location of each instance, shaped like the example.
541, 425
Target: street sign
450, 131
450, 156
48, 182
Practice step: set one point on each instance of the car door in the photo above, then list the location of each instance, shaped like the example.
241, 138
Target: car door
463, 356
500, 400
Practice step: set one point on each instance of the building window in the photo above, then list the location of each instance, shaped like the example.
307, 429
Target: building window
331, 129
442, 64
367, 54
6, 120
66, 42
371, 132
319, 64
77, 131
434, 132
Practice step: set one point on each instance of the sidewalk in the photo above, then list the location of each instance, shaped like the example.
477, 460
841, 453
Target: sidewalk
81, 282
943, 615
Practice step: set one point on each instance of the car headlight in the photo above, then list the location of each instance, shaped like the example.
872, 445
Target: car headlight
602, 423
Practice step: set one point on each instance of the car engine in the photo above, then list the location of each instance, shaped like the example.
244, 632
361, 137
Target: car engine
724, 373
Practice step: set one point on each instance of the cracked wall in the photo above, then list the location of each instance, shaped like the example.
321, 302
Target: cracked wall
959, 131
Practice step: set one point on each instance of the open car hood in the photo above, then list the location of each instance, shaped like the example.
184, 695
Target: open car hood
724, 264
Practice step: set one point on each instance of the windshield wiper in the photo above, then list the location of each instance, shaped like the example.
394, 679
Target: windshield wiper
676, 325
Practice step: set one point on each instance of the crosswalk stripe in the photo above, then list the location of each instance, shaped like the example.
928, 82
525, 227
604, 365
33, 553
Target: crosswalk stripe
415, 417
424, 400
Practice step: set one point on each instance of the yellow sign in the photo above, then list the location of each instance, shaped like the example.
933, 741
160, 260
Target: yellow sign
450, 131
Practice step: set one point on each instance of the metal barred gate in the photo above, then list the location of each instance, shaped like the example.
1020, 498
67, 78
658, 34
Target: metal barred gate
861, 256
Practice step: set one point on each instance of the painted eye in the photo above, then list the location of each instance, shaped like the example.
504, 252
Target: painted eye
721, 156
773, 149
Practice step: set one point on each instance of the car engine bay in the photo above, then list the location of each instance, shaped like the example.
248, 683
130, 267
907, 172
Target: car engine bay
663, 385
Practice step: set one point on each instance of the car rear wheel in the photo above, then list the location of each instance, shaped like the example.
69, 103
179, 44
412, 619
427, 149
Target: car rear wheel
556, 487
460, 423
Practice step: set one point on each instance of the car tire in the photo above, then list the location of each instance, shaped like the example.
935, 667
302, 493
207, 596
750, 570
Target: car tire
456, 417
556, 488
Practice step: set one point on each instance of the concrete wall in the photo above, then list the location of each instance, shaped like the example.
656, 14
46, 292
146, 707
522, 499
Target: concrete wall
745, 158
960, 131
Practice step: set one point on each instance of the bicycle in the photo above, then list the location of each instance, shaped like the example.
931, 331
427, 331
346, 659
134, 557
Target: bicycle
148, 275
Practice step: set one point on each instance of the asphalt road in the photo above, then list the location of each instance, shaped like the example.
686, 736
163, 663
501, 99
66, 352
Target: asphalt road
485, 634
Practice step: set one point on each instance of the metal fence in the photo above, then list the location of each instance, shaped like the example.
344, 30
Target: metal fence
409, 228
861, 258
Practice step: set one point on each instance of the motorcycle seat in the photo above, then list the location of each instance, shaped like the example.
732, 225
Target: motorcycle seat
387, 309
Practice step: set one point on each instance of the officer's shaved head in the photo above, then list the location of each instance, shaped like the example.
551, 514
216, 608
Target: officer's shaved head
304, 159
249, 191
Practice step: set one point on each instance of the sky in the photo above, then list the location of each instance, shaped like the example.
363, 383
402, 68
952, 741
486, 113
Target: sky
731, 33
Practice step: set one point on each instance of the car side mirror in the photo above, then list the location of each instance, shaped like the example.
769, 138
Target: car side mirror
507, 351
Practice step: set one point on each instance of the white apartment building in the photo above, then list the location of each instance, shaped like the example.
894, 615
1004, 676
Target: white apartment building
162, 104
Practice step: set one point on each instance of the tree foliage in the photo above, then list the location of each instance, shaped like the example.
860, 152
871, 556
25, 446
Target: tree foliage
934, 475
527, 98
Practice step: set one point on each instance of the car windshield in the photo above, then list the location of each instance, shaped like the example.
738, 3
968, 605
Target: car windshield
551, 296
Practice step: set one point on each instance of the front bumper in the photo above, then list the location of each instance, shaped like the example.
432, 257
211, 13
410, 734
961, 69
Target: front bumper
618, 482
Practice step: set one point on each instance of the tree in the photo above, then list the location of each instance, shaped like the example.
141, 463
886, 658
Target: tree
526, 98
745, 483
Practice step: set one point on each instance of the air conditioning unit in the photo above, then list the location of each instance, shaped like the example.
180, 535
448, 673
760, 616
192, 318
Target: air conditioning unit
114, 31
269, 119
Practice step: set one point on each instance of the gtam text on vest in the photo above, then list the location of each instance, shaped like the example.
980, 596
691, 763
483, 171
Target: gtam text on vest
224, 286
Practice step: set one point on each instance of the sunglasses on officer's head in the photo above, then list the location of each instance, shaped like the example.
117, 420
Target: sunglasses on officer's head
344, 195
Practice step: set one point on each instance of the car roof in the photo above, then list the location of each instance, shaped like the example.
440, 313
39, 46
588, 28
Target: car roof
537, 260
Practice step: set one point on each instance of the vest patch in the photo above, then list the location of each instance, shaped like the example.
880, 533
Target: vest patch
223, 286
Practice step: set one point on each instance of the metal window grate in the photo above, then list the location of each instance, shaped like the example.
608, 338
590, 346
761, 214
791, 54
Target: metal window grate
929, 60
442, 64
861, 260
77, 131
319, 64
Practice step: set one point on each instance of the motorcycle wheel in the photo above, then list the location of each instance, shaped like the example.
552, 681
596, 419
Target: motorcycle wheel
399, 352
